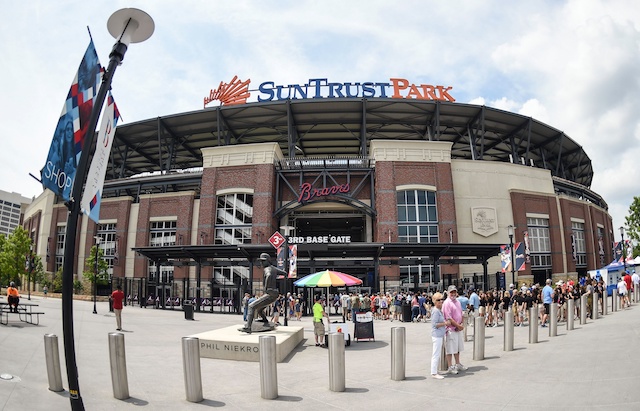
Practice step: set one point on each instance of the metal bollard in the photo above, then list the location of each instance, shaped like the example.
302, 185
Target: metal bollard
508, 331
571, 312
605, 302
583, 309
636, 293
191, 368
478, 339
268, 367
553, 320
614, 300
444, 365
53, 362
118, 361
336, 362
594, 306
533, 325
398, 353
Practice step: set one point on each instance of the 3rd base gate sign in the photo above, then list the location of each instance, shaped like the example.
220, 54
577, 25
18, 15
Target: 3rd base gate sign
276, 240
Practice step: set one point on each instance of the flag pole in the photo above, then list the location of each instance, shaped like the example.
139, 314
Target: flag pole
132, 26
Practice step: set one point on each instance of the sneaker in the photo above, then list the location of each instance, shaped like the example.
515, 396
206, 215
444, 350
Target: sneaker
461, 367
544, 325
452, 370
437, 376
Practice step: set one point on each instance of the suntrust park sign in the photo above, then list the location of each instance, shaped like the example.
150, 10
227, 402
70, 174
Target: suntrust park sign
237, 91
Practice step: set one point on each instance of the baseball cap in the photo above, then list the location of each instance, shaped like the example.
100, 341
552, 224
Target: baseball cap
452, 288
511, 285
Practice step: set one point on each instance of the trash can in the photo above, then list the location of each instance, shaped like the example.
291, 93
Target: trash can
188, 310
406, 312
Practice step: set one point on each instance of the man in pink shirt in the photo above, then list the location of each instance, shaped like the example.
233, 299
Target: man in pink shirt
454, 339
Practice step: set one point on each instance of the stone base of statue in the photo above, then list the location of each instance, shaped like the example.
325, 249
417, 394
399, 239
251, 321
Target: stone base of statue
259, 327
231, 344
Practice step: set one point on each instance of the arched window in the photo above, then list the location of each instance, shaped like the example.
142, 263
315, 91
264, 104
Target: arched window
417, 216
234, 216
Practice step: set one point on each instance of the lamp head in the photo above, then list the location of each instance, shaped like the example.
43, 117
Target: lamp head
130, 26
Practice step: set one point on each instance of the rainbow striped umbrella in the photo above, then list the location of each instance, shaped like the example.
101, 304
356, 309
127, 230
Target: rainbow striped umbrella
328, 278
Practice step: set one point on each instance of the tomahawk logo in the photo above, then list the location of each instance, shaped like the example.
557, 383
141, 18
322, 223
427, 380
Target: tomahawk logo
234, 92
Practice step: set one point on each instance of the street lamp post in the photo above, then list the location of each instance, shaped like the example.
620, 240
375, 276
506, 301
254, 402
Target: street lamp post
510, 230
30, 262
95, 275
126, 26
623, 249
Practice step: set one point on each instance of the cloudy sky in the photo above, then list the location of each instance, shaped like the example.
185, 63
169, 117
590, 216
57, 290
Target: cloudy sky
574, 65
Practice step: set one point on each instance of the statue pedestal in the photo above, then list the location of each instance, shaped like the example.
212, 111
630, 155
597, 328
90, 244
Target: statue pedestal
230, 344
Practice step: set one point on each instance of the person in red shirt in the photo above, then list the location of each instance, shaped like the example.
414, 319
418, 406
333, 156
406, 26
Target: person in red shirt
117, 297
628, 281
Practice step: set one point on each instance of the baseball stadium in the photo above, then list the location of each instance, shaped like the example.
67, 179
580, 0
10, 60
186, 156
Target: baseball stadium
392, 182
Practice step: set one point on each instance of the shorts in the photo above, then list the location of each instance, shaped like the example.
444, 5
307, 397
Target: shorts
318, 328
393, 308
546, 308
454, 342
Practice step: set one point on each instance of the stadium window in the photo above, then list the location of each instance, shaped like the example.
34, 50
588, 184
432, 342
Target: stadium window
539, 242
234, 217
417, 216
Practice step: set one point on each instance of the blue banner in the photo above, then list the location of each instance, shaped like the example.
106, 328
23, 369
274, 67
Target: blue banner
59, 171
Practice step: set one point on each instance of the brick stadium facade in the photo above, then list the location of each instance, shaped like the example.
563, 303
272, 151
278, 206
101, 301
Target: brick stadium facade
185, 215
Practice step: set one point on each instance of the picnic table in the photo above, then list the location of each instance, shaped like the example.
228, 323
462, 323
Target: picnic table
26, 313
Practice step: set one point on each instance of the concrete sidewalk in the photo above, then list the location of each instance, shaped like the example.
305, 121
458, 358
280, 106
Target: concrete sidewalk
591, 367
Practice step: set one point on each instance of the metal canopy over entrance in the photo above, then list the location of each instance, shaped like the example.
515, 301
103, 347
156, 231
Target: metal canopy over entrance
309, 255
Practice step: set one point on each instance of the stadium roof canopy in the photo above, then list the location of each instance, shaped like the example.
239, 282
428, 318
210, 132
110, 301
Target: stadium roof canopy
344, 128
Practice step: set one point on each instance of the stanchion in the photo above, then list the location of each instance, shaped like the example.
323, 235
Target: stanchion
553, 320
583, 309
478, 339
465, 323
444, 365
398, 353
118, 361
53, 362
336, 362
533, 325
594, 306
571, 312
268, 367
191, 368
508, 331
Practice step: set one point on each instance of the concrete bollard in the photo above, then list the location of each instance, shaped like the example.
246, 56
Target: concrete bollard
444, 365
465, 323
571, 312
478, 339
118, 361
553, 320
508, 331
336, 362
53, 362
268, 367
191, 368
533, 325
594, 306
398, 353
583, 309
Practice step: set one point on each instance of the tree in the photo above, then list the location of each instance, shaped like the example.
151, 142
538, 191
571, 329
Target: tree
632, 221
102, 276
13, 256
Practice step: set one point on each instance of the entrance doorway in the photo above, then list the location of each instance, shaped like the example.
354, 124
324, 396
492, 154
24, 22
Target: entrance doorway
335, 224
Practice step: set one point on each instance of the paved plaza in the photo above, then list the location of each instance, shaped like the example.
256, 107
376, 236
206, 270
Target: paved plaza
594, 366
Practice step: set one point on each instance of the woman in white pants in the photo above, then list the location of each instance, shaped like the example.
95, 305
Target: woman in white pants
438, 330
